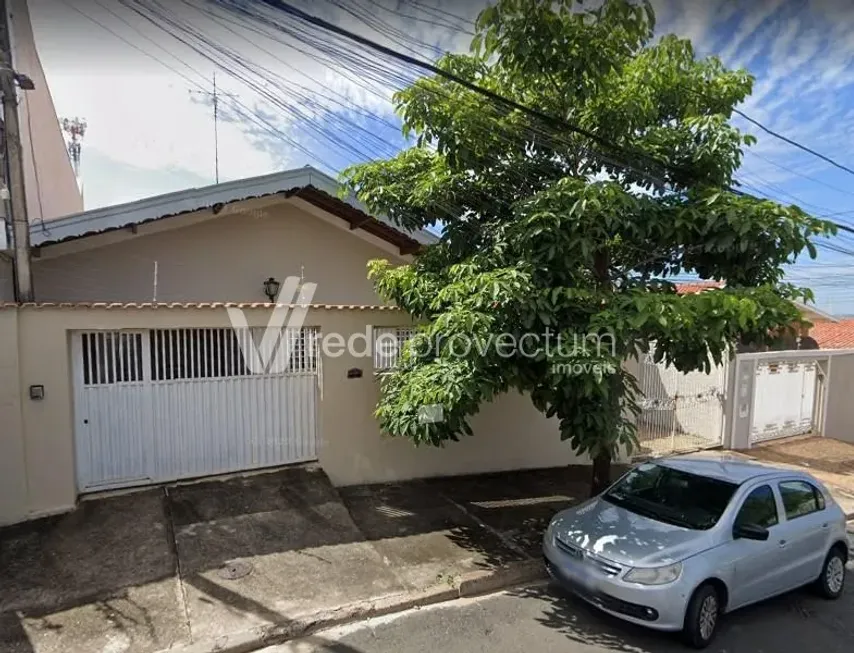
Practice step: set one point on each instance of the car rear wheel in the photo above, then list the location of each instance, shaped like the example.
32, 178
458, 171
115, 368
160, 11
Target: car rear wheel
831, 582
701, 617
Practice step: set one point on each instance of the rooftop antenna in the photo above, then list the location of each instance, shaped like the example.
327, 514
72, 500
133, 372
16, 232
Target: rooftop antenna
76, 130
215, 98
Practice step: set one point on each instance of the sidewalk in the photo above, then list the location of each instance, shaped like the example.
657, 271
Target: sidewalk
830, 461
233, 564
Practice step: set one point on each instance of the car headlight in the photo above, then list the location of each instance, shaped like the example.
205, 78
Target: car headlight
550, 529
655, 575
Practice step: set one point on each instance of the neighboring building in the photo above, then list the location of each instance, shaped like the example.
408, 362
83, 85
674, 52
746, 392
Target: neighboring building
51, 185
689, 288
800, 337
49, 180
833, 335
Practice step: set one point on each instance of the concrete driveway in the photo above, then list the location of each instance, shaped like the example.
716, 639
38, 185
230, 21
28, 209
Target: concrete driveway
149, 570
146, 570
544, 619
831, 461
102, 576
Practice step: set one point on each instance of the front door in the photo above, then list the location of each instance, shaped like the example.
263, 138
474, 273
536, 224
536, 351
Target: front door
805, 531
758, 564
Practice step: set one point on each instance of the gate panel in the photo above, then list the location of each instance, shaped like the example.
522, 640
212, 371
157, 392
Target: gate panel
783, 400
112, 409
167, 404
680, 411
213, 415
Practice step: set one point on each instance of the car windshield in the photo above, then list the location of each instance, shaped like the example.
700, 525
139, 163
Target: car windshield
672, 496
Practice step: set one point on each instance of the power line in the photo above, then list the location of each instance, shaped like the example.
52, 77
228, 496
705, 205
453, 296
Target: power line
800, 174
243, 110
739, 112
423, 65
496, 97
514, 105
793, 142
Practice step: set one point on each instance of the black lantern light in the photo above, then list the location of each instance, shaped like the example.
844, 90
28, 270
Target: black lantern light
271, 288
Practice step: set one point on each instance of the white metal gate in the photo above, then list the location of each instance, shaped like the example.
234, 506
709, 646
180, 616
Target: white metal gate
783, 399
160, 405
680, 411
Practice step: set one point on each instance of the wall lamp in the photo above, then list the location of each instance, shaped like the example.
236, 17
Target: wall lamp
271, 289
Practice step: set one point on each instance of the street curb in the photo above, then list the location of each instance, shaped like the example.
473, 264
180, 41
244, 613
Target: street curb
471, 584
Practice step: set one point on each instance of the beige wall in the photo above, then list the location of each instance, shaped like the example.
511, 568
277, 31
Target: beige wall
839, 421
7, 279
50, 184
37, 451
213, 259
13, 489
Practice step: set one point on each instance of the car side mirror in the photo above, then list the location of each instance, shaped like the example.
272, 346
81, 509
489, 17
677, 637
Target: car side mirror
749, 532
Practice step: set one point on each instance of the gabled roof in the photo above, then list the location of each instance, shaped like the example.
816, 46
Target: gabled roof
834, 335
308, 184
810, 312
692, 287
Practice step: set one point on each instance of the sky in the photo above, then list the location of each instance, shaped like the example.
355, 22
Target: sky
289, 99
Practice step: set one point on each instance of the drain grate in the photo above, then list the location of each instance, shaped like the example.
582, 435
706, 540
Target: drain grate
235, 569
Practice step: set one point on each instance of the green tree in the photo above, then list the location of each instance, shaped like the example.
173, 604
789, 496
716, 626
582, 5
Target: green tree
574, 232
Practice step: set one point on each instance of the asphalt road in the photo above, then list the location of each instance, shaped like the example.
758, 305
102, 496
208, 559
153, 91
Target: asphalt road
544, 619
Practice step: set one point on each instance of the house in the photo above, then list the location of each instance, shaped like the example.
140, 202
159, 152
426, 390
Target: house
801, 337
838, 334
130, 370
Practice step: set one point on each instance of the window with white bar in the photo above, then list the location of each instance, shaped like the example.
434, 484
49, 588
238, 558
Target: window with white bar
388, 345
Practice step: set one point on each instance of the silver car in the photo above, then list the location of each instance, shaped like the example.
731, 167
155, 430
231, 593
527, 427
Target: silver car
677, 542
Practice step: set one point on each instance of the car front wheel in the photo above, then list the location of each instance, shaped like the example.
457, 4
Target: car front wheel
832, 580
701, 617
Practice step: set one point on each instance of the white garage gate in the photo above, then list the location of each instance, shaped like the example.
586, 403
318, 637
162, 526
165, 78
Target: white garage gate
165, 404
784, 399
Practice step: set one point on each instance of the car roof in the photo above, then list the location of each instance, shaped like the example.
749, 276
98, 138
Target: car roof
722, 466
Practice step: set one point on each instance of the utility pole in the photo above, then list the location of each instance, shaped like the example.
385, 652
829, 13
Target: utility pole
14, 164
215, 98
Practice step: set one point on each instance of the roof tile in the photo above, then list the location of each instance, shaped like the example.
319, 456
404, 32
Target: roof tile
697, 286
834, 335
194, 305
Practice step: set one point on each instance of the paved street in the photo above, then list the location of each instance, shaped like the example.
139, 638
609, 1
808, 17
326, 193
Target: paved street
543, 619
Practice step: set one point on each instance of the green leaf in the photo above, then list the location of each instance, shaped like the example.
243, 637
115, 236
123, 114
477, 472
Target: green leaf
542, 231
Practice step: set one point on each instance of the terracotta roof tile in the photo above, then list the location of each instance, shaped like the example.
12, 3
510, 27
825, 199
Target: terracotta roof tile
697, 286
834, 335
193, 305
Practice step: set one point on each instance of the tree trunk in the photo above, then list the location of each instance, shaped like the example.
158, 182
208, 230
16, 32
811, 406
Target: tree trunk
602, 462
601, 473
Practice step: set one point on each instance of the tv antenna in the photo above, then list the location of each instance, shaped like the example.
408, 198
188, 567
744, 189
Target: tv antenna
76, 130
215, 96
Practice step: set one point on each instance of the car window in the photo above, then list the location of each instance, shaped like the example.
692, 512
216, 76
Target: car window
800, 498
758, 509
672, 496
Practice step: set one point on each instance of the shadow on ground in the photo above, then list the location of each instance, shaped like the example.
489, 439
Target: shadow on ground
475, 522
146, 570
793, 622
103, 575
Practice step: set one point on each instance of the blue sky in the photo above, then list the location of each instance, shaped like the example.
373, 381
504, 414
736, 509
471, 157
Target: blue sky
148, 134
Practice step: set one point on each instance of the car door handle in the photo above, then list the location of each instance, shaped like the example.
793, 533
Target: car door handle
782, 543
824, 525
